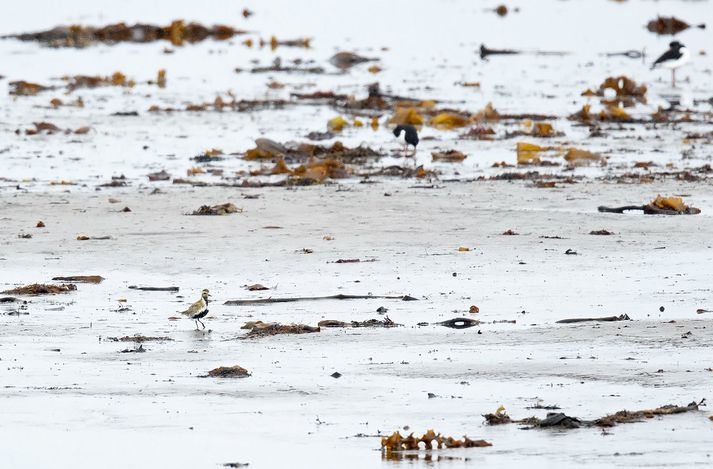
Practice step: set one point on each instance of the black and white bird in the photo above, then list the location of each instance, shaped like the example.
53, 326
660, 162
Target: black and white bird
199, 309
674, 57
408, 135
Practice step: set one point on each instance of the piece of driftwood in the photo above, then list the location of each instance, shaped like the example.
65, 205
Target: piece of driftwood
631, 54
81, 278
621, 317
386, 322
263, 330
649, 209
486, 51
258, 301
171, 289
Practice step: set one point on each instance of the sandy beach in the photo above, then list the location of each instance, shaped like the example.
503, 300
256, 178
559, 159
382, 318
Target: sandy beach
468, 284
64, 380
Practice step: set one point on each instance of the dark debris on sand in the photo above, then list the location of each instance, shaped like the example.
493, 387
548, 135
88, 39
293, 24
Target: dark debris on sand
561, 420
178, 33
228, 372
41, 289
221, 209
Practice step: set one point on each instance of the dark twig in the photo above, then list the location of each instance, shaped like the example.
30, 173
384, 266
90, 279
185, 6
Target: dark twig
315, 298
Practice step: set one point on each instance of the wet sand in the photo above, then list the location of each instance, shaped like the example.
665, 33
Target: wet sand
67, 386
70, 396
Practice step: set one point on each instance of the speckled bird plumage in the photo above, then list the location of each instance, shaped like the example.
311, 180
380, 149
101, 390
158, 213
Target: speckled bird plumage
199, 309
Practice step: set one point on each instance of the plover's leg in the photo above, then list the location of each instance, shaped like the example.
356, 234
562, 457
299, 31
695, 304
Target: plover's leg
673, 77
201, 323
196, 324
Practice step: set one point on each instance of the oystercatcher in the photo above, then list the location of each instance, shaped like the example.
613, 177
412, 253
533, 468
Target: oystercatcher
199, 309
410, 136
674, 57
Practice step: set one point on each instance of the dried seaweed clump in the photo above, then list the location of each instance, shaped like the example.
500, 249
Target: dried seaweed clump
669, 25
396, 442
609, 114
386, 322
81, 278
93, 81
41, 289
622, 86
262, 329
26, 88
670, 203
625, 416
222, 209
138, 338
266, 149
178, 32
561, 420
229, 372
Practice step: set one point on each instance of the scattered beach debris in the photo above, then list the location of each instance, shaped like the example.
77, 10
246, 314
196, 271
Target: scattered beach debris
261, 329
346, 60
159, 176
451, 156
92, 238
256, 287
142, 288
94, 81
670, 25
81, 278
138, 338
222, 209
139, 349
315, 298
459, 323
36, 289
228, 372
274, 43
486, 52
26, 88
621, 317
658, 206
178, 33
601, 233
386, 322
278, 67
395, 442
561, 420
624, 88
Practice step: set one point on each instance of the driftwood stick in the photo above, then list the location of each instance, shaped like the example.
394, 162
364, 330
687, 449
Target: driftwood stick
134, 287
623, 317
649, 209
315, 298
620, 209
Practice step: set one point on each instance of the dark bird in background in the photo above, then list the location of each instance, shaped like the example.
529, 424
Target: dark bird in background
674, 57
410, 136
